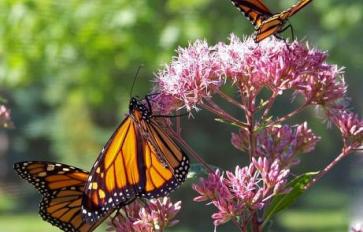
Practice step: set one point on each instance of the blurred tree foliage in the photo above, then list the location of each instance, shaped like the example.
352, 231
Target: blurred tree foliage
66, 67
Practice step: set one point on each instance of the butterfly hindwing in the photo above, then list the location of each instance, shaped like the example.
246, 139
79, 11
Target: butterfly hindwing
166, 164
62, 188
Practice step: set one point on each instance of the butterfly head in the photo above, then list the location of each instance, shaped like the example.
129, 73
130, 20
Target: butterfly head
136, 105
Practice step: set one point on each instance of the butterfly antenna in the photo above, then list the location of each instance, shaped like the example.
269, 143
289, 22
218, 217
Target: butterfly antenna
135, 77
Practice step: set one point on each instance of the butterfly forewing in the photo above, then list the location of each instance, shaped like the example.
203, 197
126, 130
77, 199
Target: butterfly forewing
116, 174
139, 160
62, 189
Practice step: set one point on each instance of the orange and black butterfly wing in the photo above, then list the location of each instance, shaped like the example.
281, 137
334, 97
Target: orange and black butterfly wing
117, 174
62, 189
295, 8
255, 10
166, 165
139, 160
270, 26
275, 24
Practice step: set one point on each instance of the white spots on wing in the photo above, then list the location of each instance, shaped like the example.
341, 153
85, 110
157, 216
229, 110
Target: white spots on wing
50, 167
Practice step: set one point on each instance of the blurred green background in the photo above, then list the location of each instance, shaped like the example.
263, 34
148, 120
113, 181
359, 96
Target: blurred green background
66, 69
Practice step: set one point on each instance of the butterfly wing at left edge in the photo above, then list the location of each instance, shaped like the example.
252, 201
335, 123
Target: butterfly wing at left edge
62, 188
116, 174
166, 164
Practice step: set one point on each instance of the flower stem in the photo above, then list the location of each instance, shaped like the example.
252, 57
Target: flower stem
256, 224
251, 125
230, 100
344, 153
289, 115
269, 105
222, 114
235, 222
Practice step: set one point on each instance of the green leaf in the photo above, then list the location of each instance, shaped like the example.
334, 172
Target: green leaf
282, 201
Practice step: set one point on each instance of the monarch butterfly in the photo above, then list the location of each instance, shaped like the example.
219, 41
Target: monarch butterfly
139, 160
62, 189
265, 22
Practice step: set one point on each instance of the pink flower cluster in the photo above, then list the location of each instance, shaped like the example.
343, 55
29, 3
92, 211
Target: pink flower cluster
279, 142
191, 75
350, 126
260, 73
357, 228
5, 117
154, 216
236, 195
199, 70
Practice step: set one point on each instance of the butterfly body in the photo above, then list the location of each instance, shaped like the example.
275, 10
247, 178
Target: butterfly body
266, 23
140, 160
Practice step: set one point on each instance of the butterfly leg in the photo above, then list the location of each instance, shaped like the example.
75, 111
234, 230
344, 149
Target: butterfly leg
115, 216
171, 116
280, 38
147, 99
289, 26
283, 39
143, 201
152, 94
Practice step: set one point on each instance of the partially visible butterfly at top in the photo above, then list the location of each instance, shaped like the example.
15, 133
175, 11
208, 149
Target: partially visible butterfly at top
266, 23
